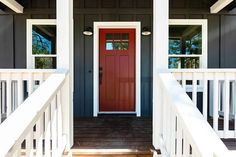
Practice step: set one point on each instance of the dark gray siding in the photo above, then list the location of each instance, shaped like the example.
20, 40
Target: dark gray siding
108, 10
221, 39
6, 42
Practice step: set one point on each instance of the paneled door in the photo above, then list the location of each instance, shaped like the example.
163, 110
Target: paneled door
117, 70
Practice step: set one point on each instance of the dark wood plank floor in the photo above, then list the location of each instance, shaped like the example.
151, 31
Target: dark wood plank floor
113, 133
122, 133
230, 143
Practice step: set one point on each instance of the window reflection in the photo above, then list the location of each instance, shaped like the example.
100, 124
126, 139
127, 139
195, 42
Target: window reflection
184, 62
44, 43
45, 62
117, 41
44, 39
185, 46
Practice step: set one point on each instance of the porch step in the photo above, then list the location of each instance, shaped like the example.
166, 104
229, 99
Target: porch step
108, 153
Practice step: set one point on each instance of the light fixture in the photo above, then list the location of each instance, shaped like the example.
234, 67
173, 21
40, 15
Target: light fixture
146, 31
88, 31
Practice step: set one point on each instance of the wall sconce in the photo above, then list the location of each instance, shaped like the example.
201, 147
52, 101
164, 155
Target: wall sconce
146, 31
88, 31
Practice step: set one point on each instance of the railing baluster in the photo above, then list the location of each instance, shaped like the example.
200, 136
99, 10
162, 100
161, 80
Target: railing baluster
183, 81
226, 106
39, 137
59, 119
53, 126
19, 90
41, 78
30, 84
186, 147
168, 124
15, 98
194, 91
179, 139
4, 102
29, 144
9, 94
205, 96
215, 103
47, 136
173, 132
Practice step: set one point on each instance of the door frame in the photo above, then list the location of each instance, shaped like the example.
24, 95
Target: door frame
117, 25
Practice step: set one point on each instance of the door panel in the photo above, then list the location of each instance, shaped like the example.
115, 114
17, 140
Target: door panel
117, 70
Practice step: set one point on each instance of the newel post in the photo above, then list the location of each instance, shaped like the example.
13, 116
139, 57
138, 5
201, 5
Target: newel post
160, 62
64, 18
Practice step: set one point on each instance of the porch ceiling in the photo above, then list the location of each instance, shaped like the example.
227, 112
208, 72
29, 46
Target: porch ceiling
27, 4
13, 5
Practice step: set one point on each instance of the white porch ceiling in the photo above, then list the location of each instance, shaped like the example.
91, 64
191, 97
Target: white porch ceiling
14, 5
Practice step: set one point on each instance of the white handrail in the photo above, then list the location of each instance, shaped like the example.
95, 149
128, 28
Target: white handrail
184, 130
218, 88
38, 119
16, 85
219, 70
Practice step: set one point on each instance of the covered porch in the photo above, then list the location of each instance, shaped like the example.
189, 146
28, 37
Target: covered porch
57, 113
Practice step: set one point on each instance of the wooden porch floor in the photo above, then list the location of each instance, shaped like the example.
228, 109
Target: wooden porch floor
230, 143
128, 133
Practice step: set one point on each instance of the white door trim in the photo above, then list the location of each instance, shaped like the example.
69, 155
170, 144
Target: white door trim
102, 25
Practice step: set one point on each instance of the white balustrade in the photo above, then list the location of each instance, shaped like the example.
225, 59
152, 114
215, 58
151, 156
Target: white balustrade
16, 85
185, 132
35, 128
217, 87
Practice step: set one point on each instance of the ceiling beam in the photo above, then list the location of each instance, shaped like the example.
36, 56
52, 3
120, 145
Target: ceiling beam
14, 5
219, 5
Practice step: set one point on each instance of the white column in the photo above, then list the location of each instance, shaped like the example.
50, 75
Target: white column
160, 61
65, 62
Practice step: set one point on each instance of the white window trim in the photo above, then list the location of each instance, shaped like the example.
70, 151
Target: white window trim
203, 58
30, 23
102, 25
203, 23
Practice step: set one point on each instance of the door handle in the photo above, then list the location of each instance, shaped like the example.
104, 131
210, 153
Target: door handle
100, 75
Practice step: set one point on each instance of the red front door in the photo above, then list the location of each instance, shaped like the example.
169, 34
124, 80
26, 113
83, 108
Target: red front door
117, 70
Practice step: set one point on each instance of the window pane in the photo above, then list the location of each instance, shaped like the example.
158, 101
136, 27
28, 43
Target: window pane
174, 46
45, 62
183, 62
44, 39
109, 36
125, 37
117, 46
116, 37
185, 39
109, 46
125, 45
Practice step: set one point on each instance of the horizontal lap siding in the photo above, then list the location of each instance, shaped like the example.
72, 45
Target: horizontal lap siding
221, 41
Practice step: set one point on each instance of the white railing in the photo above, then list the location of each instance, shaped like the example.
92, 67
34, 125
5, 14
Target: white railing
181, 130
16, 85
36, 127
215, 91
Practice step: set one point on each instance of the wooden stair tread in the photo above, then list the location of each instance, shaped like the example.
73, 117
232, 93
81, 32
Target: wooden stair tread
110, 153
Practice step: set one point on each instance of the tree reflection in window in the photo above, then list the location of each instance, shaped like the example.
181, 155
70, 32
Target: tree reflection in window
185, 46
41, 45
44, 43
